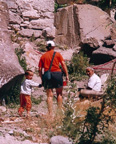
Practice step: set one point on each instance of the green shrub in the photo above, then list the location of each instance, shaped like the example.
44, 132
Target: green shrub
12, 95
77, 66
19, 52
95, 124
57, 6
41, 46
106, 4
37, 101
32, 38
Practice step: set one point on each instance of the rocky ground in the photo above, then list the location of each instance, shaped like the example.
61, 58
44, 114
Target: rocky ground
36, 129
39, 127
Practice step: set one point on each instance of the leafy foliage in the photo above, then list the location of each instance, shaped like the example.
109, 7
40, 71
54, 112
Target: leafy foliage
12, 95
57, 6
41, 46
32, 38
37, 100
97, 119
71, 124
96, 122
104, 4
19, 52
77, 66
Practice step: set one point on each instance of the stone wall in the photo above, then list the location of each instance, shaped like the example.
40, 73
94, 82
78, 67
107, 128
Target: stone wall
32, 17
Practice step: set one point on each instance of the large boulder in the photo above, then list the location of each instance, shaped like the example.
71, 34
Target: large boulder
89, 45
9, 65
93, 22
102, 55
76, 23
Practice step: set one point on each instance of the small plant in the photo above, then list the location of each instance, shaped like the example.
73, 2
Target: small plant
57, 6
19, 52
88, 129
12, 95
37, 100
105, 4
62, 47
71, 123
41, 46
77, 66
32, 38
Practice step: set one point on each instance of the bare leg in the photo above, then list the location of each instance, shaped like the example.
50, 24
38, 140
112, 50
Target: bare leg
28, 114
50, 100
59, 97
78, 93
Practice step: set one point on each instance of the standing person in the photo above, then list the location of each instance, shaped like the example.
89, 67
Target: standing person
25, 94
56, 79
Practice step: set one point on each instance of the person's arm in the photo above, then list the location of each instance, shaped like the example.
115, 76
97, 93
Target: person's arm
40, 73
65, 69
40, 68
33, 84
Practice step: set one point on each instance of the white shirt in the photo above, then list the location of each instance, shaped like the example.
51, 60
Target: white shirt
95, 82
27, 85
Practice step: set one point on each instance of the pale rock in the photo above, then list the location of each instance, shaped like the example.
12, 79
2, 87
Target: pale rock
32, 57
59, 140
2, 109
41, 23
33, 14
12, 4
7, 139
30, 33
15, 27
48, 32
114, 47
11, 132
14, 18
67, 54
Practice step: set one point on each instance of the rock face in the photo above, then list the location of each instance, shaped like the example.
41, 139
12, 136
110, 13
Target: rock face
67, 27
9, 65
76, 23
28, 17
93, 22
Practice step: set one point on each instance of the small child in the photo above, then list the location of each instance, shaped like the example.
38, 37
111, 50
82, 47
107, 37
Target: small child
25, 94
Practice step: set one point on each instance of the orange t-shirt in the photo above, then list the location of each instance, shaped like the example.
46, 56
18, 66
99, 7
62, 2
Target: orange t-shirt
46, 58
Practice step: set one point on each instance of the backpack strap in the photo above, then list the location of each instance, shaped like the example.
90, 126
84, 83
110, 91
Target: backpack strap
52, 61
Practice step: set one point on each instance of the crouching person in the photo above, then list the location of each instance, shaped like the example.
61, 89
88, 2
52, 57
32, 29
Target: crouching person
93, 87
25, 94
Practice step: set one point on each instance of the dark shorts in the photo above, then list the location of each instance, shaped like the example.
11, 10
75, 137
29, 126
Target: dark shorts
55, 82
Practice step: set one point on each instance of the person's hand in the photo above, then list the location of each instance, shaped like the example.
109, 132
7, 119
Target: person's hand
40, 85
67, 78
